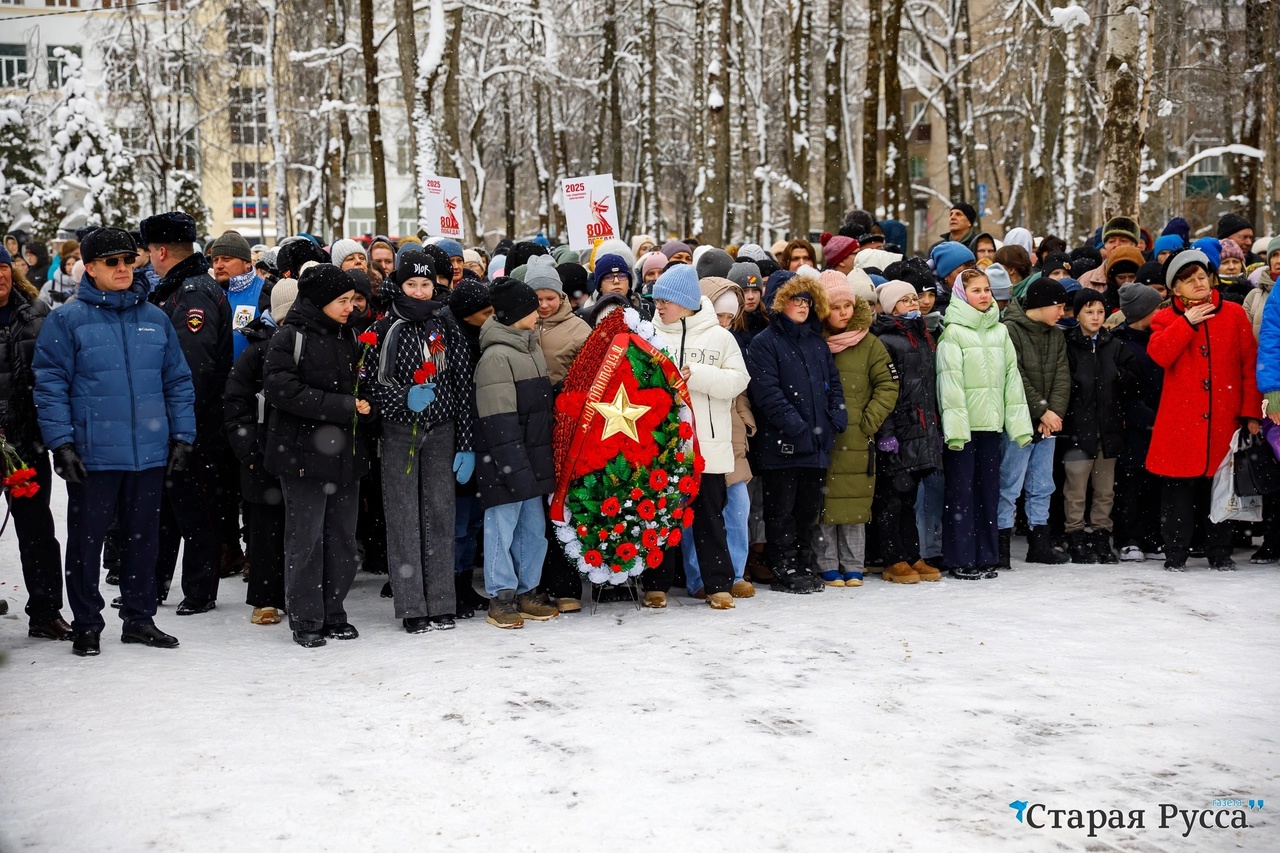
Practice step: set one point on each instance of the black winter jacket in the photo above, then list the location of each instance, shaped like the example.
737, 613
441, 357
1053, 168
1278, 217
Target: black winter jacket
247, 411
201, 315
1102, 375
21, 427
914, 421
309, 431
1143, 401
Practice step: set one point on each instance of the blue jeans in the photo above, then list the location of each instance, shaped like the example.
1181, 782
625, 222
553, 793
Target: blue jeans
737, 509
515, 543
467, 518
929, 502
1029, 467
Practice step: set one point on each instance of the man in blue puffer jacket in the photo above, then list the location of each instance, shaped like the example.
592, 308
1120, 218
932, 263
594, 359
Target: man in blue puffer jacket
116, 404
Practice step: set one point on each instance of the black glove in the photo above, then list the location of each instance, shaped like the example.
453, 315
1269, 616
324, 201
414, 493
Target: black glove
179, 456
68, 464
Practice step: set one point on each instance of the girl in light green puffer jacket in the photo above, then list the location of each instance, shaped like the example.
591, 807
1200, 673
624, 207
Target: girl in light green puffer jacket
981, 395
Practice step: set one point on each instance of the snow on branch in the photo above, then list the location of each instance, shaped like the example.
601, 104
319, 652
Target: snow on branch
1238, 150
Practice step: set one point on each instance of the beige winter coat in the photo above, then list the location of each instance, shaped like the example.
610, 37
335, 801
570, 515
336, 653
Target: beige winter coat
561, 336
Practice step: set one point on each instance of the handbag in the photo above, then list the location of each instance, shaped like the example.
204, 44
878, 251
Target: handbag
1225, 504
1257, 470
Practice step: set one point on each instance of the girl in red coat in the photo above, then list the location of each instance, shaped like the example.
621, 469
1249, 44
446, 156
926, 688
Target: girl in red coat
1208, 354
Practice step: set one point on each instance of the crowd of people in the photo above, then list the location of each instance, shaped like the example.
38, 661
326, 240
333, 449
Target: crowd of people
295, 414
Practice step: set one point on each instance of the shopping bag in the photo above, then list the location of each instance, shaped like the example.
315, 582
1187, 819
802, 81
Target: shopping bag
1256, 467
1225, 504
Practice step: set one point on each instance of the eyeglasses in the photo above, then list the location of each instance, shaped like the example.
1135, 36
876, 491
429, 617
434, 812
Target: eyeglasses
615, 276
910, 300
801, 300
129, 260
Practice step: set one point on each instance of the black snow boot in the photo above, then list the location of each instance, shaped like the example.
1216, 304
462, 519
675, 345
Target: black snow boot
469, 601
789, 577
1102, 548
1006, 542
1040, 547
969, 574
1081, 548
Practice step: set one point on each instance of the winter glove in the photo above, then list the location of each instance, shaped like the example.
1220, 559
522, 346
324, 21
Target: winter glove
420, 396
179, 457
888, 444
464, 465
68, 464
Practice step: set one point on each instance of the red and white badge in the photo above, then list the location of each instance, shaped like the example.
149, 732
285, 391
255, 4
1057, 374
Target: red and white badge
195, 319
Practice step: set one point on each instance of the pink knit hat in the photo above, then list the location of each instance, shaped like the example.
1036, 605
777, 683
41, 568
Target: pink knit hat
654, 261
836, 284
1230, 249
835, 248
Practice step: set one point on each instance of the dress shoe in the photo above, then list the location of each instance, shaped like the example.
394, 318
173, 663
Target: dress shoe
54, 629
341, 631
86, 644
417, 625
192, 606
149, 635
309, 639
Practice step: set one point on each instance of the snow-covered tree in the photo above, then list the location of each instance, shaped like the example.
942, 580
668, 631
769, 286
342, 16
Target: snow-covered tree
20, 172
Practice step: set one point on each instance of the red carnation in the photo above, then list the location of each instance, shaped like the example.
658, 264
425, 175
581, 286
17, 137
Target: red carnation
699, 464
636, 494
649, 538
686, 485
582, 530
615, 568
658, 480
674, 537
593, 558
610, 506
654, 558
679, 456
368, 338
686, 430
603, 534
618, 528
677, 512
662, 503
626, 552
647, 510
688, 518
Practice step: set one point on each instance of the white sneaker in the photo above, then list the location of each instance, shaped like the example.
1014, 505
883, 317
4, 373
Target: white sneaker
1132, 554
1154, 555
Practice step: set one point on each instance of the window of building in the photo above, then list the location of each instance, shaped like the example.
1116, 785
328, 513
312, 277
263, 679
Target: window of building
13, 66
248, 115
73, 4
403, 166
136, 139
360, 220
249, 190
918, 168
174, 73
246, 30
57, 65
186, 153
407, 221
359, 157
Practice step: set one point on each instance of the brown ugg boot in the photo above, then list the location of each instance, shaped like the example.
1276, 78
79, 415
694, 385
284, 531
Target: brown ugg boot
743, 589
655, 599
720, 601
926, 571
901, 573
757, 569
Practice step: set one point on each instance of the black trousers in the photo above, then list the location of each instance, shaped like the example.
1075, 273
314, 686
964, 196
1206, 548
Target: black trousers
38, 546
970, 519
560, 578
266, 555
371, 525
1184, 501
708, 537
894, 514
792, 505
91, 506
190, 514
320, 550
1137, 494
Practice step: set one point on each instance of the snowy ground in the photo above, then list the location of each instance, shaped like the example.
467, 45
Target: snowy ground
880, 718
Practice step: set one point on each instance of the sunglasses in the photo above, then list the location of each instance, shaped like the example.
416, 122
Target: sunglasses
113, 261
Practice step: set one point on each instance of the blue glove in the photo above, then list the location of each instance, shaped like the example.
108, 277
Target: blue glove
420, 396
464, 465
888, 444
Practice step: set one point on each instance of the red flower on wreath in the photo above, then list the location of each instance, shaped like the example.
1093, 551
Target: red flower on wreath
626, 552
615, 568
653, 559
679, 455
686, 430
593, 558
368, 338
688, 518
662, 503
582, 530
677, 512
646, 510
686, 485
603, 534
636, 494
699, 464
674, 537
658, 480
649, 538
618, 528
610, 507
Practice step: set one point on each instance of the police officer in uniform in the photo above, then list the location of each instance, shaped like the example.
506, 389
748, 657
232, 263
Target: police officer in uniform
201, 315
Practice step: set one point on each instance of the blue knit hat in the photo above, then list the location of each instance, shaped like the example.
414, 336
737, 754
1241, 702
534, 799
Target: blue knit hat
609, 264
1169, 243
453, 247
5, 258
1212, 249
949, 257
1178, 226
679, 285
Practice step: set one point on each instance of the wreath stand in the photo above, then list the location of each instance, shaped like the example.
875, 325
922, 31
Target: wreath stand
632, 585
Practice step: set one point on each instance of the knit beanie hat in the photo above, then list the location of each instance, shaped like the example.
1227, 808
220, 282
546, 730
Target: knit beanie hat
414, 264
1138, 301
360, 283
541, 274
638, 240
746, 274
5, 258
610, 264
518, 272
1151, 273
970, 212
892, 292
1178, 226
1088, 294
323, 283
837, 286
452, 248
343, 249
521, 253
102, 243
497, 266
1231, 249
914, 271
1083, 259
1211, 247
295, 252
671, 248
863, 287
949, 256
512, 300
836, 248
615, 247
679, 285
1169, 243
439, 259
468, 297
1121, 226
231, 245
653, 261
752, 252
1070, 285
1125, 255
1230, 223
471, 256
1001, 284
714, 263
1175, 263
283, 293
1043, 293
574, 279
